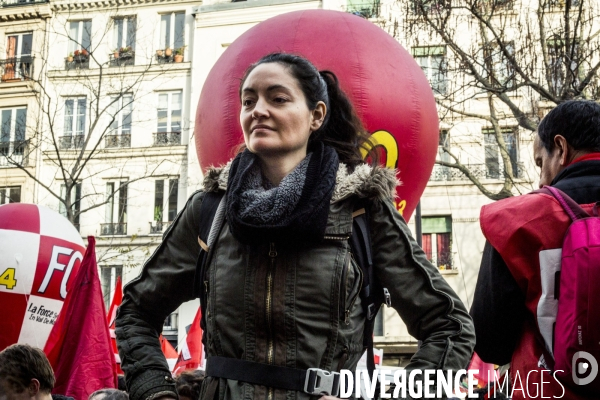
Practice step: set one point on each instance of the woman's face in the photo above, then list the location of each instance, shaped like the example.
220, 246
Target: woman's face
275, 118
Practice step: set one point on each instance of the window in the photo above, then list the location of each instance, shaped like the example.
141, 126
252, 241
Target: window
14, 122
75, 202
124, 32
18, 63
74, 127
496, 65
164, 203
442, 172
493, 160
13, 146
80, 36
123, 41
363, 8
10, 194
170, 323
116, 209
80, 44
437, 241
432, 61
172, 30
120, 128
168, 119
108, 277
559, 3
563, 61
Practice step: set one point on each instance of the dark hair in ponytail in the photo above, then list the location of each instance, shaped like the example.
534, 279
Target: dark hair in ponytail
341, 129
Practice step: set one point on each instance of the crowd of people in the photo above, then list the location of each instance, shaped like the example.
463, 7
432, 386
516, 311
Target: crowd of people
26, 374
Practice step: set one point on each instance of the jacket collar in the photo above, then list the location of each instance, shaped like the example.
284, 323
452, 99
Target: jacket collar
365, 181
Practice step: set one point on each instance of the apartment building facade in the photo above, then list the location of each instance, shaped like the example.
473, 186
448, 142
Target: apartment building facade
22, 48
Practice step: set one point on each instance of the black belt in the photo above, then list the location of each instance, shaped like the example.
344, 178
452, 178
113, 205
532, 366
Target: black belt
313, 381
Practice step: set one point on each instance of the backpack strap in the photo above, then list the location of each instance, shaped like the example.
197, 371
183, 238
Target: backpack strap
568, 204
372, 295
212, 214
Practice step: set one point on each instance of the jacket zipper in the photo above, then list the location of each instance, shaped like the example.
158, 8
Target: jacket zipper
344, 283
355, 296
269, 308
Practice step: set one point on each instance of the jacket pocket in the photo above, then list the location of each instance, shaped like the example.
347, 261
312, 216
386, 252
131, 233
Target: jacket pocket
350, 287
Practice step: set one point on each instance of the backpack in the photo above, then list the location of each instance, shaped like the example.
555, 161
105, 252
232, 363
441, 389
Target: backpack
576, 347
372, 294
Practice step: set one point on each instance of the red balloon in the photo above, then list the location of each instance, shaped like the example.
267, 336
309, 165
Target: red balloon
388, 89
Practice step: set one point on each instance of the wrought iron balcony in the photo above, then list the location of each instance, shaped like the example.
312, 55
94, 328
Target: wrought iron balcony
480, 171
115, 228
167, 138
79, 61
158, 227
70, 142
17, 3
113, 141
165, 57
14, 153
122, 58
422, 7
17, 69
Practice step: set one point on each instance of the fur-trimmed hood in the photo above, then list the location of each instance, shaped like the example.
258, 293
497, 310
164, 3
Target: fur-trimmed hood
365, 181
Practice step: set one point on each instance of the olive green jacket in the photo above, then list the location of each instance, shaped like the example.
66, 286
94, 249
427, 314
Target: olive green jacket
290, 306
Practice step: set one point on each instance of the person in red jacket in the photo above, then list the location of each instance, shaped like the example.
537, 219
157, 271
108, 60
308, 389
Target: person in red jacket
513, 278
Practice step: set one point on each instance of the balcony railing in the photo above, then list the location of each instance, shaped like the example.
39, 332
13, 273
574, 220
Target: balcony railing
70, 142
122, 58
79, 61
16, 3
14, 153
116, 228
480, 171
368, 9
167, 138
114, 141
421, 7
17, 69
158, 227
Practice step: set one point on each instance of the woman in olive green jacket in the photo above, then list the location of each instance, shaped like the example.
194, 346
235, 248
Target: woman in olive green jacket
282, 287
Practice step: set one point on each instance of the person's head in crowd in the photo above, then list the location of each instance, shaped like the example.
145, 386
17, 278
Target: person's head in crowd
122, 385
571, 130
109, 394
25, 374
188, 384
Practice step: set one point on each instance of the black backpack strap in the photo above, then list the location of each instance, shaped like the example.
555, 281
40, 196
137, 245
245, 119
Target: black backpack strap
372, 294
208, 210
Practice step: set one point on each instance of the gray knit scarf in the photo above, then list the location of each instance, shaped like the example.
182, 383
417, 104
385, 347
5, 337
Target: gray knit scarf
265, 204
294, 212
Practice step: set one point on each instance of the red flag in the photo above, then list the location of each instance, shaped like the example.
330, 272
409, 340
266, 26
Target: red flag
79, 346
485, 370
112, 316
190, 356
167, 349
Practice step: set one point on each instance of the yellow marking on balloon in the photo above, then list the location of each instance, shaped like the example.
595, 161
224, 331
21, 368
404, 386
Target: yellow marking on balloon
7, 278
400, 206
388, 142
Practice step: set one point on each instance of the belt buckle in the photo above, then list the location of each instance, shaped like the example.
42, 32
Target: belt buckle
320, 382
